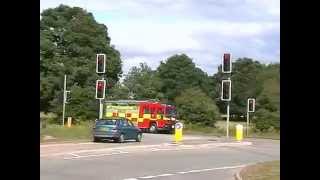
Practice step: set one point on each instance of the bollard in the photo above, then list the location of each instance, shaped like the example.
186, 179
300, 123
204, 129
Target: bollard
178, 132
69, 121
239, 132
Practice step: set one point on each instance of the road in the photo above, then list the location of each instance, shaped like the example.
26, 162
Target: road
199, 157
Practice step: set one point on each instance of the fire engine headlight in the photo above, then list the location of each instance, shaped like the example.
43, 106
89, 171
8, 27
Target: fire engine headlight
172, 126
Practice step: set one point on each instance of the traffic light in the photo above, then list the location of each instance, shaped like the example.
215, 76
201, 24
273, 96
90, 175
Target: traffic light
100, 89
226, 90
251, 104
227, 64
67, 96
101, 63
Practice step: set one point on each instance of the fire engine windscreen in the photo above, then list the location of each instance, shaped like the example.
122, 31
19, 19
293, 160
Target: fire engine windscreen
171, 112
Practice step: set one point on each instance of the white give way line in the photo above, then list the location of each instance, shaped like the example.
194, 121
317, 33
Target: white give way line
187, 172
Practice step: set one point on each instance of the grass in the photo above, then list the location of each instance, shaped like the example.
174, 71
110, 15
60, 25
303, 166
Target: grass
59, 133
262, 171
220, 130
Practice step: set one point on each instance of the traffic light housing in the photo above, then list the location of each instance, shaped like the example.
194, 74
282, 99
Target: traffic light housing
100, 63
226, 90
67, 97
226, 64
251, 105
100, 89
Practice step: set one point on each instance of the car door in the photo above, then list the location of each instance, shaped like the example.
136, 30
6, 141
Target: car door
133, 130
126, 130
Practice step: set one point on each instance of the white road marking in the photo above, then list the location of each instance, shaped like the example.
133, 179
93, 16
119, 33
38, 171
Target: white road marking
163, 175
191, 171
64, 144
147, 177
95, 155
74, 154
159, 147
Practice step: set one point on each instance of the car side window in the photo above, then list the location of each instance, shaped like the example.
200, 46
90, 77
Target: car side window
131, 124
125, 123
121, 123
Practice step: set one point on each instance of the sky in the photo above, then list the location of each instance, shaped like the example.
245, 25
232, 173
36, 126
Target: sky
150, 31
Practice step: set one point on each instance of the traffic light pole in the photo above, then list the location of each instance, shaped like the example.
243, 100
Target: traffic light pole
100, 107
247, 129
228, 116
64, 98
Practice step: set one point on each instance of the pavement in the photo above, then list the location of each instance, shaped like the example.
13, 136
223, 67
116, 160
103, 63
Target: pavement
156, 157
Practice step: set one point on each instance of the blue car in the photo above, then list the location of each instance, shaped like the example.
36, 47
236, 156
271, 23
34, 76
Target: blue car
117, 129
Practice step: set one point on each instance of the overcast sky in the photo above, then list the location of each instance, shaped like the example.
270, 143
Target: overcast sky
152, 30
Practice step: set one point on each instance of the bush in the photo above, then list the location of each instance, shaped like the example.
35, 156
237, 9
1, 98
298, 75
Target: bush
266, 120
196, 107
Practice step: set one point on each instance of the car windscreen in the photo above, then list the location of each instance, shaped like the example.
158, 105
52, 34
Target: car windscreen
106, 122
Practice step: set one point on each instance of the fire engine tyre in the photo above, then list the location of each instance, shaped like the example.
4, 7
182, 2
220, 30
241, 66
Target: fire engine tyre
139, 137
153, 128
121, 138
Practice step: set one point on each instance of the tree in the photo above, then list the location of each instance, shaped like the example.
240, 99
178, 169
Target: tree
69, 39
142, 82
179, 73
268, 101
194, 106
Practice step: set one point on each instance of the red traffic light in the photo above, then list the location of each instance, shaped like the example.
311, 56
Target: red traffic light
100, 89
226, 65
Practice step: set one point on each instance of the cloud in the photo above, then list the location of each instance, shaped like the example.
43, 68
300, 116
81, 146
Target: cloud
152, 30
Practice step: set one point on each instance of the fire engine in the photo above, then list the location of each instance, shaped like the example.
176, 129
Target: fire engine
149, 116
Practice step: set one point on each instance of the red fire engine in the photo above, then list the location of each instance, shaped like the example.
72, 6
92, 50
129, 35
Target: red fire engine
150, 116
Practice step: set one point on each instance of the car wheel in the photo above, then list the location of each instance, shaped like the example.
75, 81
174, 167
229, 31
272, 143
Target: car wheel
121, 138
95, 139
139, 137
153, 128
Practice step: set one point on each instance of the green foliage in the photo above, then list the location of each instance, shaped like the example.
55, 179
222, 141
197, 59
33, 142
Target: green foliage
142, 82
179, 73
194, 106
267, 120
268, 102
69, 40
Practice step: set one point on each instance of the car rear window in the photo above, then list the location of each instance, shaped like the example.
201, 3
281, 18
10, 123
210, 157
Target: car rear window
106, 122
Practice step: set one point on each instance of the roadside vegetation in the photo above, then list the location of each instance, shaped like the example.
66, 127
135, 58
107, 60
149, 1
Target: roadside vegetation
69, 39
262, 171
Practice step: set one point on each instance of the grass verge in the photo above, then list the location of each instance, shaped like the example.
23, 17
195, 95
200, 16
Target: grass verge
262, 171
56, 133
220, 130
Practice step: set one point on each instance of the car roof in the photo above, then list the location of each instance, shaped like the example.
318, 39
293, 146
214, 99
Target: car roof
117, 118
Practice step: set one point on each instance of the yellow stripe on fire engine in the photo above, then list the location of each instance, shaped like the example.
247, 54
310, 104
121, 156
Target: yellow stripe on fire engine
147, 116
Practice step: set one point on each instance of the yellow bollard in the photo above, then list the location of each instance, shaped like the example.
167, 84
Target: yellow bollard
239, 132
178, 132
69, 121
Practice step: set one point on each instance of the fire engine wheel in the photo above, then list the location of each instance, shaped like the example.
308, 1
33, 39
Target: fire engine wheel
153, 128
